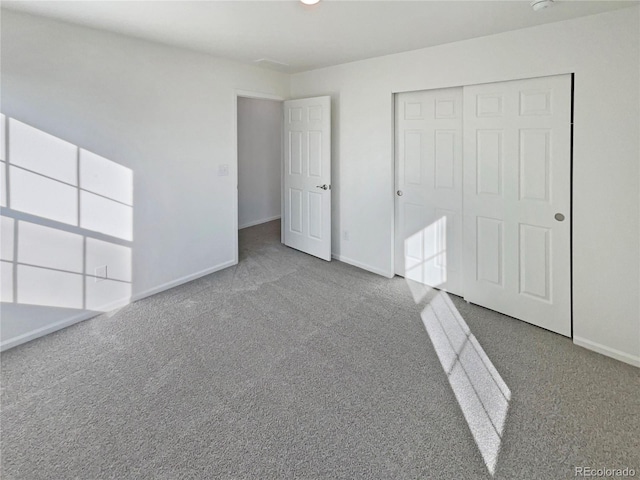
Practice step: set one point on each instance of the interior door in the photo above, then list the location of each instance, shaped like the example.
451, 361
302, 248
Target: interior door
307, 175
517, 150
428, 239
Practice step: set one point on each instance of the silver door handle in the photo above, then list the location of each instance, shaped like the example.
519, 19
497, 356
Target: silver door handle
399, 193
559, 217
324, 187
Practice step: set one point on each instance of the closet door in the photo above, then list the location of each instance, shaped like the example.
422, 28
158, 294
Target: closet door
428, 203
517, 167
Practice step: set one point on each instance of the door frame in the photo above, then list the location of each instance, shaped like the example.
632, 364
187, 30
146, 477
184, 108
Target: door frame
394, 177
237, 93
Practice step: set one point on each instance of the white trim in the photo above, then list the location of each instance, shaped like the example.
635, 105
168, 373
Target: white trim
236, 210
258, 222
265, 96
282, 140
109, 307
608, 351
246, 94
180, 281
363, 266
394, 176
42, 331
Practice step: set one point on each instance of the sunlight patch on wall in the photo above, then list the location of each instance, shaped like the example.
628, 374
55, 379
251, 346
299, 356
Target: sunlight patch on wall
66, 224
40, 152
43, 197
49, 248
6, 277
43, 286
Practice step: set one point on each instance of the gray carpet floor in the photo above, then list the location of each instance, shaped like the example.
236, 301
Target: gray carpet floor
287, 366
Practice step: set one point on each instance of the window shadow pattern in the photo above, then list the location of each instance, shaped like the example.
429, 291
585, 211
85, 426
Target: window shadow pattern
480, 391
66, 223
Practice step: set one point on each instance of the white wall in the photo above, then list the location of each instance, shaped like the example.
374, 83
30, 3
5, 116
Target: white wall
168, 115
603, 51
259, 159
165, 113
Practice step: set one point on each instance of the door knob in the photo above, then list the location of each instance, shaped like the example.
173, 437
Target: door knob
559, 217
324, 187
399, 192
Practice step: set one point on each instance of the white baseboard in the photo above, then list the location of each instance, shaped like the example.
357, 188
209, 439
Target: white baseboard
608, 351
180, 281
40, 332
258, 222
115, 305
364, 266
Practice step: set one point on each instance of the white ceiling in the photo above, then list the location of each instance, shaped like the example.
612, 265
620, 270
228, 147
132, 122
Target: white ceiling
305, 38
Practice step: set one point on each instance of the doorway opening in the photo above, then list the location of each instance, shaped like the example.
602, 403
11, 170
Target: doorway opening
259, 147
283, 149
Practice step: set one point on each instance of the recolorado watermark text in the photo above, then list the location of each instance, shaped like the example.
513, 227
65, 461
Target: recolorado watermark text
591, 472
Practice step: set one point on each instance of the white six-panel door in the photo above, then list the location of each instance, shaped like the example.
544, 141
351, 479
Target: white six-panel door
517, 150
307, 175
429, 188
489, 221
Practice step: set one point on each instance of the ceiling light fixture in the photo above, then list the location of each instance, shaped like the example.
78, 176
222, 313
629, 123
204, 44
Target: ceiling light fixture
309, 2
541, 4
